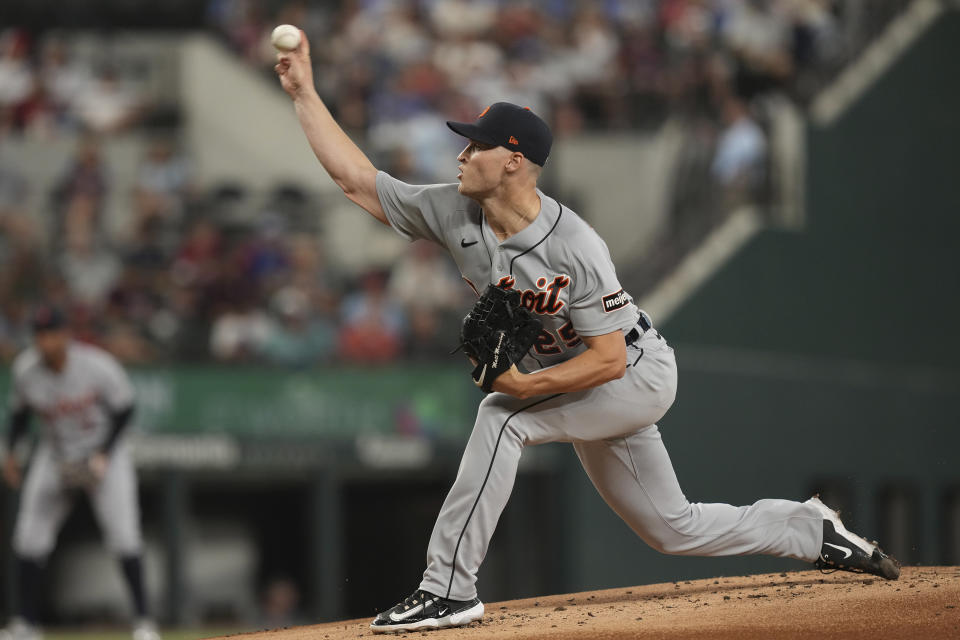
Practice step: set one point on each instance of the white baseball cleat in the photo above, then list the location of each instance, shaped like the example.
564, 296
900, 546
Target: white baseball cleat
145, 630
846, 551
423, 610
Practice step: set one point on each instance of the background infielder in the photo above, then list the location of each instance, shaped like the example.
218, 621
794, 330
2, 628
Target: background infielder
602, 376
85, 401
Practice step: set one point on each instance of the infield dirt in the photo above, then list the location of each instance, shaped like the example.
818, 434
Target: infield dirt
923, 604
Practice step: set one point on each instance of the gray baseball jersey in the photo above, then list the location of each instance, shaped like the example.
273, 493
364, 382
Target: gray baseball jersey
74, 404
567, 278
559, 264
74, 407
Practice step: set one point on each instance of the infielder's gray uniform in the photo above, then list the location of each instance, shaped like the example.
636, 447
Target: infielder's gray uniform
566, 276
74, 407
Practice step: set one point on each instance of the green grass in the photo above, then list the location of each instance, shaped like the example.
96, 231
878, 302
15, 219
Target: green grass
125, 635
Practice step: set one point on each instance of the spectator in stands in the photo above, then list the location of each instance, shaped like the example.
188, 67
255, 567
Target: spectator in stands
64, 78
37, 116
196, 264
124, 340
312, 275
433, 298
298, 337
16, 76
105, 105
80, 192
89, 270
425, 327
373, 325
740, 161
759, 36
146, 250
243, 24
163, 185
240, 329
816, 42
453, 18
263, 257
138, 309
24, 272
424, 277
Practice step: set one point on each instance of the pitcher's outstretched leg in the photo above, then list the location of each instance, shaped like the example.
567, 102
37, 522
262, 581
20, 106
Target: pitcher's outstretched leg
636, 478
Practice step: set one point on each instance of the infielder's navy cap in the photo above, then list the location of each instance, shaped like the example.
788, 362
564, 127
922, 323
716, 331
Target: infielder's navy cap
506, 125
47, 317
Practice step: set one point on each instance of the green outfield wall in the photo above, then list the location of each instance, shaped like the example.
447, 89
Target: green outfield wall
435, 402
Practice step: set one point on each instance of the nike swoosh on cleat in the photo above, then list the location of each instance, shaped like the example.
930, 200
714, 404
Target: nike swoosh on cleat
406, 614
465, 244
844, 549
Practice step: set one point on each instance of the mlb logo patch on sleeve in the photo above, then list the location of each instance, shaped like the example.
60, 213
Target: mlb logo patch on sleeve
614, 301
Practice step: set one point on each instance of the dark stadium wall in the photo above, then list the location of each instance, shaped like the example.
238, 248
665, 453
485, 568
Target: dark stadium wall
827, 359
41, 15
874, 274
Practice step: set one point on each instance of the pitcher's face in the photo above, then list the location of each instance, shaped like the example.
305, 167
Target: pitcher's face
481, 169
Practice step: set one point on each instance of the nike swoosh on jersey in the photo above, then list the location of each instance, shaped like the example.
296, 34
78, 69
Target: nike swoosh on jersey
465, 244
846, 550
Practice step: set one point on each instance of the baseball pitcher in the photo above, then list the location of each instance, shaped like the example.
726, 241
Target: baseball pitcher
84, 400
598, 374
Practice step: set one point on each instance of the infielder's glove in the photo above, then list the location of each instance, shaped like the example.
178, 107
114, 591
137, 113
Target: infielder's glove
497, 333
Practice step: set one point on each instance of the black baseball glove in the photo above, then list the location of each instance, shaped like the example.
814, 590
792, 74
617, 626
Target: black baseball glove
497, 333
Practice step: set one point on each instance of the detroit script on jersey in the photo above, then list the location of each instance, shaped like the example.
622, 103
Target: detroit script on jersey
558, 263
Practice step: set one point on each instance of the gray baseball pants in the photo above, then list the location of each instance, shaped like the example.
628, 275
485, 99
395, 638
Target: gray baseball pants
613, 430
45, 503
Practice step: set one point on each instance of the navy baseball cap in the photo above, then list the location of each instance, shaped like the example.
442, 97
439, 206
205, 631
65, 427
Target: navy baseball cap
47, 317
515, 128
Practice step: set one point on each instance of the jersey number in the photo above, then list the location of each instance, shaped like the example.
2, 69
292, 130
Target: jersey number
546, 344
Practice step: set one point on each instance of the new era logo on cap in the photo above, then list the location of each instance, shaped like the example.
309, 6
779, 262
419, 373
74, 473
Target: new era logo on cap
502, 124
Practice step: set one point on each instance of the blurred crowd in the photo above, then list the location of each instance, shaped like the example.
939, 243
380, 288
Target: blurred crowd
396, 70
192, 280
44, 91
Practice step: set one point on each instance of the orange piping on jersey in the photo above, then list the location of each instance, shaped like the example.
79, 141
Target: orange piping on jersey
472, 286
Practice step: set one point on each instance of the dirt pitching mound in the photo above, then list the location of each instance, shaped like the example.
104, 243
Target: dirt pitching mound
923, 603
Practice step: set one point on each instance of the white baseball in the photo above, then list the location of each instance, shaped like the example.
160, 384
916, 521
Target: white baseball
285, 37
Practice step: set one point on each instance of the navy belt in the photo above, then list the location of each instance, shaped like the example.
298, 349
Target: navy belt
643, 325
